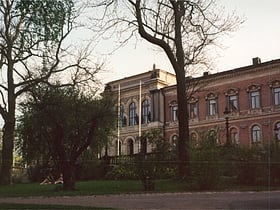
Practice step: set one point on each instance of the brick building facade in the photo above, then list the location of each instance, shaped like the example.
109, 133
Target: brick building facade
249, 97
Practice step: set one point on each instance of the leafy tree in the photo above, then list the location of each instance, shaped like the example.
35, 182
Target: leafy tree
32, 33
61, 123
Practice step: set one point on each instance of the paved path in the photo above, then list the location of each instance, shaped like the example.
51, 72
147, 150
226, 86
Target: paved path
200, 200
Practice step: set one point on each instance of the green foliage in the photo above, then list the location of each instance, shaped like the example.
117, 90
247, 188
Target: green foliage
44, 20
89, 167
41, 206
97, 187
161, 162
59, 124
274, 163
206, 165
259, 165
122, 172
214, 166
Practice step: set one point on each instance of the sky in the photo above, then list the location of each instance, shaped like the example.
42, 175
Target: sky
258, 36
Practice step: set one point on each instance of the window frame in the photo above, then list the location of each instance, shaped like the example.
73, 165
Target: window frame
234, 135
130, 146
132, 113
212, 104
233, 103
122, 117
174, 111
145, 111
276, 100
254, 100
232, 99
212, 107
256, 134
277, 136
193, 108
275, 85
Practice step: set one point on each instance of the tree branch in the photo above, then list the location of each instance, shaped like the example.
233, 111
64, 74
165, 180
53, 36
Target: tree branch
159, 42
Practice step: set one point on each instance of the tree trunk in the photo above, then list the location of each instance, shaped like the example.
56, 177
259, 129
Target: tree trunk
7, 151
9, 126
183, 141
68, 171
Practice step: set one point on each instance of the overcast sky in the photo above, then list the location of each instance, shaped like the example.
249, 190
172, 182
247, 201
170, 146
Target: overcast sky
259, 36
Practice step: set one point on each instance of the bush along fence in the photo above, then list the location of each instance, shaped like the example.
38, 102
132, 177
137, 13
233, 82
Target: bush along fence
212, 167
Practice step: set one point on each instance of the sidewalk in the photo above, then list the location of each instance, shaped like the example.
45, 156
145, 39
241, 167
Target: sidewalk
200, 200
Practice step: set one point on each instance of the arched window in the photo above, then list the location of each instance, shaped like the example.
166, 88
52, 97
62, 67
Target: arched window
194, 139
118, 147
122, 117
146, 112
144, 145
234, 135
132, 114
256, 134
277, 131
130, 147
174, 140
212, 137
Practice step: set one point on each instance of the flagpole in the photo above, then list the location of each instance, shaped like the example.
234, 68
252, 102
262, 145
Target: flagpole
118, 124
140, 114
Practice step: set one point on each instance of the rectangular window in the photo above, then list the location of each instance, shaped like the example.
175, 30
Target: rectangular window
255, 100
193, 110
233, 103
174, 112
276, 92
212, 107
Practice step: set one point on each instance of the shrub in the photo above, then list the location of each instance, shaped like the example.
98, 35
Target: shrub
121, 172
90, 170
206, 166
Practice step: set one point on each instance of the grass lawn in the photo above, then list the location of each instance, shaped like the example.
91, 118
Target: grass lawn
89, 188
104, 187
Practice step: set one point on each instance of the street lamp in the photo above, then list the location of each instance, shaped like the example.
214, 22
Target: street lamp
226, 113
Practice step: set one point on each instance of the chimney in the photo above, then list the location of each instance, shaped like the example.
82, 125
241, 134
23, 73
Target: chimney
256, 61
206, 73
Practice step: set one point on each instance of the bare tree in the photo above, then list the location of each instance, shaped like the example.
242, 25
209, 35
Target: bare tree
184, 30
32, 33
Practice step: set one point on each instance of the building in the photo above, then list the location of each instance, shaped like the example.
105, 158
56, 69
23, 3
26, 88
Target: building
241, 106
131, 110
